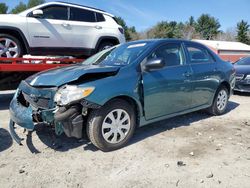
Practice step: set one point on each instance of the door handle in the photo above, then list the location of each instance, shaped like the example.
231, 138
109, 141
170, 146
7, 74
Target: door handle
65, 25
98, 27
187, 74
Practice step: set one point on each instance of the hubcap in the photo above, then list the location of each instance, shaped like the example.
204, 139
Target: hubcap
222, 100
116, 126
8, 48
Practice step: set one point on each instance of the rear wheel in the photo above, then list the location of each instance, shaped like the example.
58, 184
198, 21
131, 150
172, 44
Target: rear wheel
220, 101
10, 46
111, 127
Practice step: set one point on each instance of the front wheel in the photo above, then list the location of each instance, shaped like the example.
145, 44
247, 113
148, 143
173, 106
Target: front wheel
220, 102
111, 127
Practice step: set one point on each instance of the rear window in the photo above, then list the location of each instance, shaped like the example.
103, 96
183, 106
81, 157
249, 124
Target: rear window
82, 15
198, 54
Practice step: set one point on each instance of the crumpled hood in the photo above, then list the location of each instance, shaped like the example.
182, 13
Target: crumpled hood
60, 76
242, 69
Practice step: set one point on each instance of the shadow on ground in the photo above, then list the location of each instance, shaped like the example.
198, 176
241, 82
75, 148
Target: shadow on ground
246, 94
63, 143
5, 99
5, 140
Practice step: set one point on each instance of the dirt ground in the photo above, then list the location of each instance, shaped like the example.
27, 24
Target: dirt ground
194, 150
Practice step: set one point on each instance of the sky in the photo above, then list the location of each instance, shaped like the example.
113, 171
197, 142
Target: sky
144, 14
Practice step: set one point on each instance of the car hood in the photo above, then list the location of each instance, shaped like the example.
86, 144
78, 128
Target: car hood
60, 76
242, 69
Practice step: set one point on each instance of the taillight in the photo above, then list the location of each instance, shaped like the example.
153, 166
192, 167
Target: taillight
121, 30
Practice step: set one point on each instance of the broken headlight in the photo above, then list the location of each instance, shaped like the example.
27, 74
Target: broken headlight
70, 93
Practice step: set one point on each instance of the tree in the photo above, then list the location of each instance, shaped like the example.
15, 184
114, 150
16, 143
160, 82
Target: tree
207, 26
21, 6
242, 32
165, 29
33, 3
3, 8
129, 32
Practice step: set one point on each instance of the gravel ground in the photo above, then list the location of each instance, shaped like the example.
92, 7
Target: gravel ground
194, 150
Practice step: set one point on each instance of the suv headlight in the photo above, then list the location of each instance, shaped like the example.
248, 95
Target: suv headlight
70, 93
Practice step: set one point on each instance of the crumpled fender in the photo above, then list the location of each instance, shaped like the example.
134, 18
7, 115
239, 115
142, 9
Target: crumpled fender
21, 115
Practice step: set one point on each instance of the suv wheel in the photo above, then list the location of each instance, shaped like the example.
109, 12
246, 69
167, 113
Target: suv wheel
10, 46
220, 102
104, 46
111, 127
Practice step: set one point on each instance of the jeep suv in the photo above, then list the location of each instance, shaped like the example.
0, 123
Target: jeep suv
58, 28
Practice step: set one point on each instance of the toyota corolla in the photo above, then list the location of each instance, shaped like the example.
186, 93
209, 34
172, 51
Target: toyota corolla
122, 88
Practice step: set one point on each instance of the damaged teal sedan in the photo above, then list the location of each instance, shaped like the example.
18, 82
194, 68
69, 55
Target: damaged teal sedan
122, 88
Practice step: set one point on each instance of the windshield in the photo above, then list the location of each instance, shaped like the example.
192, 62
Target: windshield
120, 55
243, 61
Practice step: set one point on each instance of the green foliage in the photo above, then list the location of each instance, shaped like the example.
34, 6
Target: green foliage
19, 8
207, 26
130, 32
165, 29
3, 8
242, 32
33, 3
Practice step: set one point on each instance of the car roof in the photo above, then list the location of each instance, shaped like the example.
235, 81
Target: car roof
162, 40
66, 4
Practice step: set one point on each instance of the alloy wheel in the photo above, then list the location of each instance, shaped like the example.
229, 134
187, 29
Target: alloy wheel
8, 48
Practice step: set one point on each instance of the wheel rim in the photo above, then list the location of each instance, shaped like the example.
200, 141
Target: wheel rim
116, 126
8, 48
222, 100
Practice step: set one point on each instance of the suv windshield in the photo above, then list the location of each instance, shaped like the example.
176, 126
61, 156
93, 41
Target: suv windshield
243, 61
120, 55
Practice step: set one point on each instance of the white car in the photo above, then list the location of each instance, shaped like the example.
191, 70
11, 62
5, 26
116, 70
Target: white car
58, 28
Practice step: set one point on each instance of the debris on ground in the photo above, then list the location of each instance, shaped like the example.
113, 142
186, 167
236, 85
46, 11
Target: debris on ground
210, 175
191, 153
181, 163
202, 181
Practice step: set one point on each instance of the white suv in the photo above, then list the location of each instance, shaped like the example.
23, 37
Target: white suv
58, 28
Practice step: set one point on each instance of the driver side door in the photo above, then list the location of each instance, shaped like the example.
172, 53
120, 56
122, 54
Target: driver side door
167, 90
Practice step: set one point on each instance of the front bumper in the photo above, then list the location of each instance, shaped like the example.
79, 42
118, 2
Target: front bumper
242, 86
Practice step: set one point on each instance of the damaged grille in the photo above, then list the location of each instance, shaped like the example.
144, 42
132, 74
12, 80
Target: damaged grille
37, 102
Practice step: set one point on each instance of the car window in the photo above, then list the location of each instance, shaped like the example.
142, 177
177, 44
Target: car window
100, 17
82, 15
243, 61
198, 54
55, 12
171, 53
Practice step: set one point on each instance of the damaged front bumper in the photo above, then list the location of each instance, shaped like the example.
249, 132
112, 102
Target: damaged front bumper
30, 106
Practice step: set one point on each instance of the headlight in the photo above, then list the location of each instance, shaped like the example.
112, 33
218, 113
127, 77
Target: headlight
70, 93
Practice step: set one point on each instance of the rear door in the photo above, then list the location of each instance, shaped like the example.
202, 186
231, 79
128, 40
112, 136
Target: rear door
85, 28
206, 76
53, 29
167, 90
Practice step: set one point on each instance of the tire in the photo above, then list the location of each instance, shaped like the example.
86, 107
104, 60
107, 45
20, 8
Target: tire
104, 46
220, 101
12, 49
100, 124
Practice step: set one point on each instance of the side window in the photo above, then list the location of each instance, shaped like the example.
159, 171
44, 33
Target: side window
198, 54
55, 12
82, 15
100, 17
171, 53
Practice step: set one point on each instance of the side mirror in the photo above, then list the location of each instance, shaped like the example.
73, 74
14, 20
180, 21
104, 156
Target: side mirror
154, 64
37, 13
